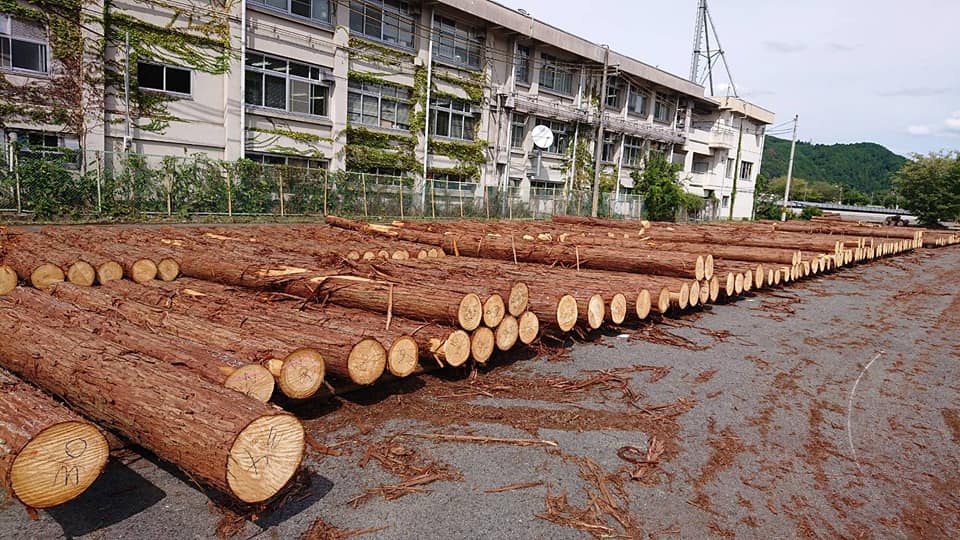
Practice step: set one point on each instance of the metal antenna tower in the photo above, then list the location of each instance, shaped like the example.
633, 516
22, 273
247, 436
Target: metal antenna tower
701, 50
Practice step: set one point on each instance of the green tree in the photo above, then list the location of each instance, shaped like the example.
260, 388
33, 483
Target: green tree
809, 212
661, 190
929, 186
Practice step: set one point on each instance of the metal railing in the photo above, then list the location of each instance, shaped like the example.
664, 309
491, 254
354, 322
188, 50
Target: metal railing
109, 185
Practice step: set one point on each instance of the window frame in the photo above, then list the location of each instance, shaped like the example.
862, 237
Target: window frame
662, 102
551, 66
608, 150
362, 8
7, 36
289, 79
261, 158
746, 166
619, 86
465, 112
515, 124
288, 11
364, 93
461, 34
633, 153
522, 62
165, 68
644, 99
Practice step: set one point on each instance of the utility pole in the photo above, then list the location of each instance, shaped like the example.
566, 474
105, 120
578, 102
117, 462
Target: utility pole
126, 88
599, 145
793, 148
736, 170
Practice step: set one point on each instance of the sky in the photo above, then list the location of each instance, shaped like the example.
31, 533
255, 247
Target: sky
884, 71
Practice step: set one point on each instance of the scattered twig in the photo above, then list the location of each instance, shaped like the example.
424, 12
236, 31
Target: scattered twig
482, 440
512, 487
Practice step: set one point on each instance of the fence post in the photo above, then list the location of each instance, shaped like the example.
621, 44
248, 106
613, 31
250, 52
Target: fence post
280, 184
363, 187
486, 201
433, 205
99, 181
460, 192
401, 197
168, 183
326, 176
229, 169
509, 203
15, 167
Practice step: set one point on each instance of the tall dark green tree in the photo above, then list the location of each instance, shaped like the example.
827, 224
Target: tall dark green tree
662, 192
929, 186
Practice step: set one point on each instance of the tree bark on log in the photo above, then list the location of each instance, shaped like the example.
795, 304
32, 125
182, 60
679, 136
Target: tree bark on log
215, 365
135, 267
48, 454
8, 279
220, 437
33, 268
283, 359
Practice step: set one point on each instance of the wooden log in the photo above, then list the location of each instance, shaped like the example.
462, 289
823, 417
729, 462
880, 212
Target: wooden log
135, 266
493, 310
48, 454
283, 359
215, 365
507, 333
33, 268
217, 436
482, 344
77, 265
513, 249
8, 279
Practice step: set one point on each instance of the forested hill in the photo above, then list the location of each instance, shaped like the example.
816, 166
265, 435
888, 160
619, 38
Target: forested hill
867, 167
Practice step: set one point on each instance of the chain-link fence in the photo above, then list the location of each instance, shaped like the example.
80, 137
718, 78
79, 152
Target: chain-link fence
68, 185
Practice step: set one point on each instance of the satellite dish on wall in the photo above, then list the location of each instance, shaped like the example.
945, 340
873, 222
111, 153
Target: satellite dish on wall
542, 137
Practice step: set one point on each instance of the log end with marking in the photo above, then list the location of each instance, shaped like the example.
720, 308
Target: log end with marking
618, 308
529, 327
708, 267
507, 333
82, 273
493, 310
663, 300
8, 279
470, 312
730, 285
168, 269
681, 298
694, 293
714, 289
699, 267
252, 380
264, 457
747, 281
367, 361
301, 373
738, 283
46, 275
519, 298
58, 464
596, 311
143, 271
403, 356
643, 304
704, 292
482, 344
758, 277
109, 271
567, 313
456, 348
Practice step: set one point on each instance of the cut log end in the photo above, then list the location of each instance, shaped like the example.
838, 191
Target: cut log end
529, 327
58, 464
699, 267
644, 304
482, 343
567, 313
456, 348
618, 308
470, 312
82, 273
143, 271
663, 300
704, 293
493, 311
264, 457
708, 267
301, 373
46, 275
730, 285
681, 299
507, 333
252, 380
596, 311
747, 281
519, 298
367, 361
422, 254
168, 269
8, 279
694, 293
109, 271
714, 288
758, 277
738, 283
402, 356
353, 255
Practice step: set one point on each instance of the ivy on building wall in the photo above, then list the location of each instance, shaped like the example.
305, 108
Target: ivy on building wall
362, 49
278, 140
366, 150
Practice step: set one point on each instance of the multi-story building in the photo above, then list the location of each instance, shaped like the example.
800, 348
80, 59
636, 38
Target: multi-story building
449, 90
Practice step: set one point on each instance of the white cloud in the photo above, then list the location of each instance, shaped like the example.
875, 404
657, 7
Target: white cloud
953, 121
920, 130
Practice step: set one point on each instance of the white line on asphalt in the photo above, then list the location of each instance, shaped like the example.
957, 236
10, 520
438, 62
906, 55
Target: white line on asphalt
850, 408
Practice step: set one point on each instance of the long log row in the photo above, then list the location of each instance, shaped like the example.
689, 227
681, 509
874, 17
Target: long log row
220, 437
77, 266
135, 267
48, 454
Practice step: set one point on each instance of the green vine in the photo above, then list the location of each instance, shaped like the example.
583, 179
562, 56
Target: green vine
418, 116
375, 52
473, 89
298, 136
370, 78
463, 171
366, 150
462, 152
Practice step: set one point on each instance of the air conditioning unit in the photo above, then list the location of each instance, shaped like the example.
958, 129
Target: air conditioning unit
510, 102
475, 109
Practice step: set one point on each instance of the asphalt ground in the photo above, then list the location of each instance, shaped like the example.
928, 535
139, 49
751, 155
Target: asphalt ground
829, 409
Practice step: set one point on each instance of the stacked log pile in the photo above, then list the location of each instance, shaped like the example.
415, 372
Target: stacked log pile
177, 338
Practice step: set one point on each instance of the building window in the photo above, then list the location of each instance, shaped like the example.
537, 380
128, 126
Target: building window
317, 10
746, 168
561, 135
452, 181
725, 201
17, 50
632, 151
609, 149
616, 92
163, 78
290, 161
379, 105
700, 165
663, 109
451, 118
384, 20
276, 83
556, 78
523, 64
518, 130
457, 43
637, 102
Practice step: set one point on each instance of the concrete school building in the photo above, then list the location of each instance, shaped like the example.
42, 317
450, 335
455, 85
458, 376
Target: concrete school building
451, 89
